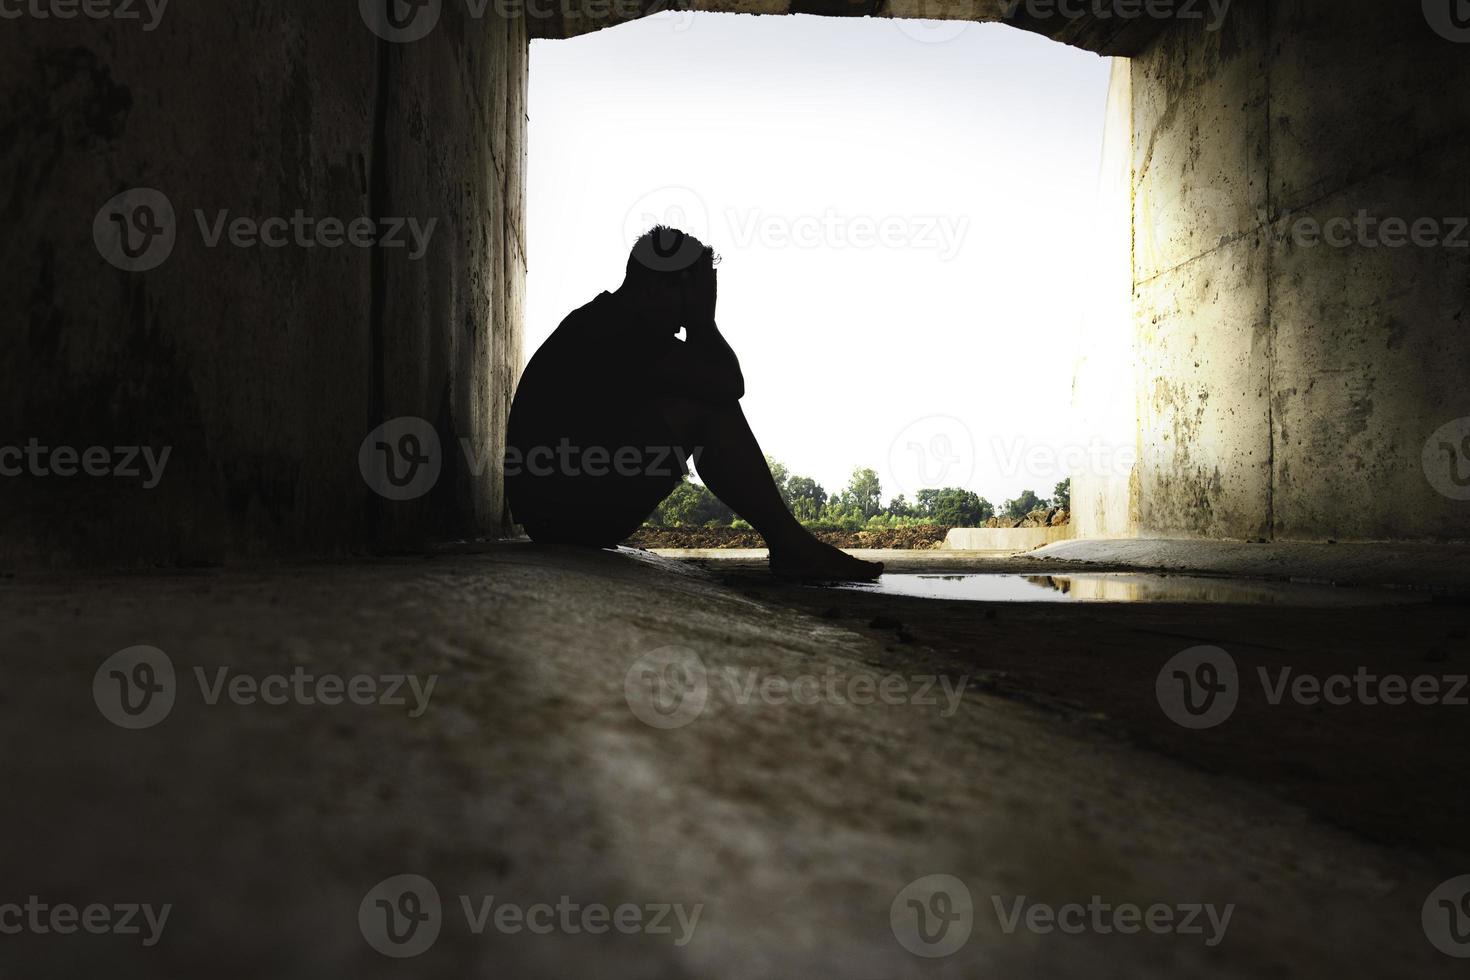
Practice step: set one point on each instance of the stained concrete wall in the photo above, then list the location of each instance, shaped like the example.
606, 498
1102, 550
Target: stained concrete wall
262, 369
1287, 390
1283, 390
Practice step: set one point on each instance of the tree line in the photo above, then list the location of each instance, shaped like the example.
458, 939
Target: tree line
859, 506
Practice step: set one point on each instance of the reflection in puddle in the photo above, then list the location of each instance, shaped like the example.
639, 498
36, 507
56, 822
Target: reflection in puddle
1129, 587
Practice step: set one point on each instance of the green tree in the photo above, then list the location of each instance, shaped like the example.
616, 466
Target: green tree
1063, 494
1024, 504
691, 505
864, 493
805, 497
955, 506
781, 475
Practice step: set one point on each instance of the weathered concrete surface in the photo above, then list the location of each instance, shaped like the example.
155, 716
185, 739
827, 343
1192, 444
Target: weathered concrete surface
1444, 567
262, 369
1370, 347
529, 778
1200, 302
1287, 391
1004, 538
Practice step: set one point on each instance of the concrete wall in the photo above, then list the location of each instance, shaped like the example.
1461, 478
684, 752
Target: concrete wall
262, 369
1104, 399
1285, 390
1010, 539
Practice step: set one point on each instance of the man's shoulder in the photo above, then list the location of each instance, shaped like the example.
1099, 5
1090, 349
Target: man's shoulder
579, 329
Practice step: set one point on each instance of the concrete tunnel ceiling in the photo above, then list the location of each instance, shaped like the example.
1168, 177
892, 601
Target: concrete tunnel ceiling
1123, 31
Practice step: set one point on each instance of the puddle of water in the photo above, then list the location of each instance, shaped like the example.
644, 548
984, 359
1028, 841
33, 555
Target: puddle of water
1128, 587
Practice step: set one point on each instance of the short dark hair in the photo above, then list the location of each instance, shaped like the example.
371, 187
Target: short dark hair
663, 251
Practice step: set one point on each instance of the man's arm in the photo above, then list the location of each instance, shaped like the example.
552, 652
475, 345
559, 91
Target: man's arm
702, 367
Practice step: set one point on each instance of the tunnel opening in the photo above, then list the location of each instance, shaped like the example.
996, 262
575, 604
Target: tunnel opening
953, 230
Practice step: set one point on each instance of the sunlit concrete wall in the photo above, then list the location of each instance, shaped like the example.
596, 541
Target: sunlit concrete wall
1104, 398
1288, 387
260, 369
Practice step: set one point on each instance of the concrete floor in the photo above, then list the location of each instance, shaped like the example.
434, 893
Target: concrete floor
530, 776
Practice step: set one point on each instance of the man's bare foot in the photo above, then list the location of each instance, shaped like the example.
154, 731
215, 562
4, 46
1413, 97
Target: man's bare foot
820, 561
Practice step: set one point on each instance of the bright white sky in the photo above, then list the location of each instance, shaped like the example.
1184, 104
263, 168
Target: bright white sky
793, 145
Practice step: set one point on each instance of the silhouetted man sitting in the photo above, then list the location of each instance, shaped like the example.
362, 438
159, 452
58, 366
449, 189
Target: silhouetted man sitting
614, 404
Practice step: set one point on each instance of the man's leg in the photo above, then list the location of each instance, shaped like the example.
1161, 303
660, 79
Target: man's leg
732, 465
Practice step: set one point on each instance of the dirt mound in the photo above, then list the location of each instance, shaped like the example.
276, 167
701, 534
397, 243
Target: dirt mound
1042, 517
922, 537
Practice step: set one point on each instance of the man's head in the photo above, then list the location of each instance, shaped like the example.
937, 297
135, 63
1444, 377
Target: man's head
671, 277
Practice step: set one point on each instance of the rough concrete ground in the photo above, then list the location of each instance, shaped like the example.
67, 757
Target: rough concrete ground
530, 776
1442, 567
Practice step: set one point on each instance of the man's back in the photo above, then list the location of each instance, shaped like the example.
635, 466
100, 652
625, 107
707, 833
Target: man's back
580, 402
